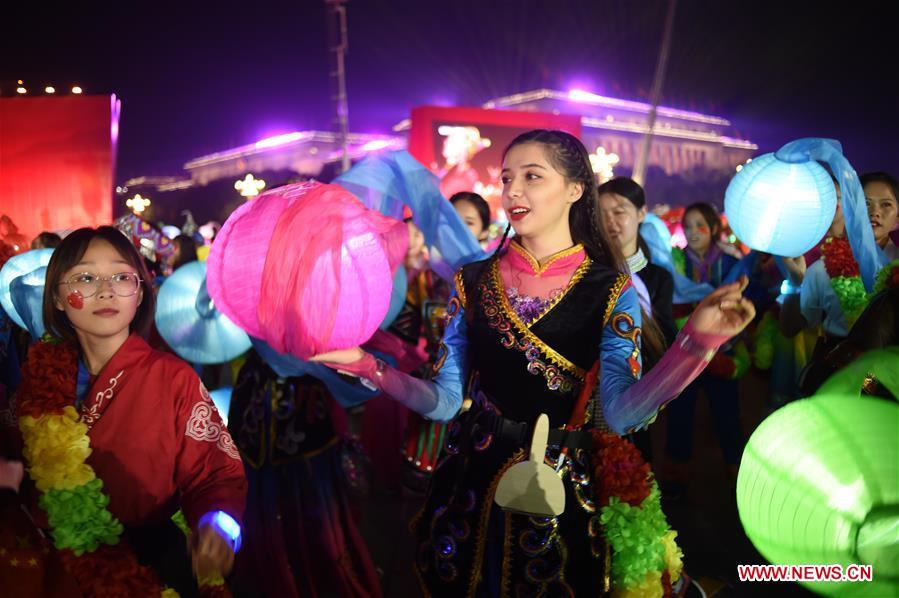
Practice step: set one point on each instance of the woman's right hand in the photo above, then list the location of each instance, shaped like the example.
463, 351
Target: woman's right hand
795, 269
340, 357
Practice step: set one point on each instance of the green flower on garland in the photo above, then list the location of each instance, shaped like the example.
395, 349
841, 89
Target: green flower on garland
887, 278
680, 260
850, 292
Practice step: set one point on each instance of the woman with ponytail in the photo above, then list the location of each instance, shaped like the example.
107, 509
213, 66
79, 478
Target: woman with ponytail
622, 208
550, 324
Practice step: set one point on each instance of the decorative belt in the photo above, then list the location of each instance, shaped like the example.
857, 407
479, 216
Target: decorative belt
519, 433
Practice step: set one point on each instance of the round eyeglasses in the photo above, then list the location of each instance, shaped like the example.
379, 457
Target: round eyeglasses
124, 284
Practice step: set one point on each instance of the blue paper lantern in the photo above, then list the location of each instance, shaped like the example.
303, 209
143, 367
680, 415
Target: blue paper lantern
779, 206
16, 266
27, 294
188, 320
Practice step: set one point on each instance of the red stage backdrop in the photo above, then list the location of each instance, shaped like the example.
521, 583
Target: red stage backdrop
464, 146
57, 157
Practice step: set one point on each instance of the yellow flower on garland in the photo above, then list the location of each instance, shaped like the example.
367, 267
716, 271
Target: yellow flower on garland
651, 586
56, 447
674, 556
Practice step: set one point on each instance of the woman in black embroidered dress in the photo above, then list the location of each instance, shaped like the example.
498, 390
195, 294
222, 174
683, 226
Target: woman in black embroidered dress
525, 328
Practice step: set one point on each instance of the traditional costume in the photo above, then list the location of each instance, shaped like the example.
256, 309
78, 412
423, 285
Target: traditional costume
301, 535
520, 340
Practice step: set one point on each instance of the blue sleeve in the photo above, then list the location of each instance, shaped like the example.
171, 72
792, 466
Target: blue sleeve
621, 362
451, 366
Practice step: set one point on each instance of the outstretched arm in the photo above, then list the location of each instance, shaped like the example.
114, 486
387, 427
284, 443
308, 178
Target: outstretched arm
438, 399
630, 402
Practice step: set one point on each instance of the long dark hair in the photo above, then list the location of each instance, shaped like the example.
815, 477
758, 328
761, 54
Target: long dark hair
69, 253
478, 203
570, 158
631, 190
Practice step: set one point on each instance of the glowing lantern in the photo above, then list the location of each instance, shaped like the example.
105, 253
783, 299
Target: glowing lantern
780, 207
306, 268
819, 483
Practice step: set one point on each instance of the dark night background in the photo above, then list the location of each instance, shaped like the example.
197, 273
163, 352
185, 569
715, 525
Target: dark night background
197, 77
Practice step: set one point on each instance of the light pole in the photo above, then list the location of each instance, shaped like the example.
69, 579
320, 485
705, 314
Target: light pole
639, 174
338, 45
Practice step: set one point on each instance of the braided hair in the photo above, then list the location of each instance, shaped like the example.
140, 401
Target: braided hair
570, 158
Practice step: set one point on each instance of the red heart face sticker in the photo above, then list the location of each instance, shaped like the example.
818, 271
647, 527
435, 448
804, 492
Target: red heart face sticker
75, 299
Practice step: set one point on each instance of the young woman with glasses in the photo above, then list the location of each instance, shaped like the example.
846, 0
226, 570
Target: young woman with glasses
118, 437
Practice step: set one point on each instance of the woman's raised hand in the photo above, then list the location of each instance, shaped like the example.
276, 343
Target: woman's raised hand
725, 311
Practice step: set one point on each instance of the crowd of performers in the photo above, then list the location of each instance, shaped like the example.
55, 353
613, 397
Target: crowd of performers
118, 476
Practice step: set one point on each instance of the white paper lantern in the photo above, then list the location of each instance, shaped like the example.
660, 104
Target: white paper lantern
778, 207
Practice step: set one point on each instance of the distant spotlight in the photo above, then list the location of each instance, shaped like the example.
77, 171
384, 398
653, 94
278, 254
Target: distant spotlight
21, 89
49, 89
579, 95
137, 203
76, 89
250, 186
375, 145
21, 82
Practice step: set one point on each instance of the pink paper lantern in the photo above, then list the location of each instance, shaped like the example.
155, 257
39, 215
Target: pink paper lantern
307, 268
237, 257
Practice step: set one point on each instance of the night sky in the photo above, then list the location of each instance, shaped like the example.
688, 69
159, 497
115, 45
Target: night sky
197, 77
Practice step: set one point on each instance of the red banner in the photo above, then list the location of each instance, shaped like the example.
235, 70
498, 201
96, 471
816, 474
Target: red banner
57, 158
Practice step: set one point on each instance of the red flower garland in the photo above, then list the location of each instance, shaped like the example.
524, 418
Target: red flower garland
49, 379
838, 258
667, 590
619, 470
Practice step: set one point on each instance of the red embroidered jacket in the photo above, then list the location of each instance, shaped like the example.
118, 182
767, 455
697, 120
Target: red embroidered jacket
157, 440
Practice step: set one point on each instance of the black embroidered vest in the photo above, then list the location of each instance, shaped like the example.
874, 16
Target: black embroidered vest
536, 368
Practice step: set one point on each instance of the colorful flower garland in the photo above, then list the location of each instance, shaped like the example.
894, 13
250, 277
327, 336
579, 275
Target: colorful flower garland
56, 447
645, 557
765, 337
845, 278
887, 278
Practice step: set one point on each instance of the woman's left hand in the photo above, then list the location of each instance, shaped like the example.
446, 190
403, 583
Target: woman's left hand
724, 311
211, 554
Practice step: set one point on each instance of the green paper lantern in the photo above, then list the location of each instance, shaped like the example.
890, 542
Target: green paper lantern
819, 485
